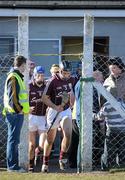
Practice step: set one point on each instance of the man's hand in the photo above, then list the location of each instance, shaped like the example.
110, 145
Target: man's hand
65, 99
58, 108
32, 108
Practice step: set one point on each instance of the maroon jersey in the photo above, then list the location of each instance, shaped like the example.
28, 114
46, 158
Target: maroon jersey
35, 94
54, 89
72, 82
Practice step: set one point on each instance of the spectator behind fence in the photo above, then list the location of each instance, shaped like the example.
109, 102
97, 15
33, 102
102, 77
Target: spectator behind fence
115, 84
116, 79
114, 151
37, 119
16, 104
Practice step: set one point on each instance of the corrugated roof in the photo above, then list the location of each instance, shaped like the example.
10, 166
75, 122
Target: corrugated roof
58, 4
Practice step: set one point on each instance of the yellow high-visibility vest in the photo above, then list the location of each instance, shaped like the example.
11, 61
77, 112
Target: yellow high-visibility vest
74, 111
23, 95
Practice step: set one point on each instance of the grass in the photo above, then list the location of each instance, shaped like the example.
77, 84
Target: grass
62, 176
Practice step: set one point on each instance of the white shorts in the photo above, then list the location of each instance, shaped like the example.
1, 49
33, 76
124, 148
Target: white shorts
37, 123
61, 117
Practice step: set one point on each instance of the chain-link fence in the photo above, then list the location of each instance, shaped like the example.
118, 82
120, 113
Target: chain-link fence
5, 64
108, 131
108, 121
115, 141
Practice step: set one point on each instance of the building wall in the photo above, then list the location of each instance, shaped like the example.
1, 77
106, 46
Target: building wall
55, 28
114, 28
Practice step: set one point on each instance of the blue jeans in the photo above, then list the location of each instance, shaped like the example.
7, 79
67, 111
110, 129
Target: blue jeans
14, 123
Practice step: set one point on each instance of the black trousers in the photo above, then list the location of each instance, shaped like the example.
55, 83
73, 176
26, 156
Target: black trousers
98, 144
74, 145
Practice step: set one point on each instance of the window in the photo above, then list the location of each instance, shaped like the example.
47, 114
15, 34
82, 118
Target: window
74, 45
101, 45
44, 52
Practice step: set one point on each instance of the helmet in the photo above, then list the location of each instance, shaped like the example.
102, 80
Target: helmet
39, 70
65, 66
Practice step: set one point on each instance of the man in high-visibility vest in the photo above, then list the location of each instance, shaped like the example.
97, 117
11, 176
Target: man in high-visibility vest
16, 104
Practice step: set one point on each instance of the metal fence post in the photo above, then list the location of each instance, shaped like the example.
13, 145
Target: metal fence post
87, 96
23, 40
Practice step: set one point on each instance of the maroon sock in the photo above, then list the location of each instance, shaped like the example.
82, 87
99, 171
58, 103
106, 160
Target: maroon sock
46, 160
38, 151
63, 155
31, 163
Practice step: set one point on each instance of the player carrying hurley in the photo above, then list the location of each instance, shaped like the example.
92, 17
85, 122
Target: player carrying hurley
53, 97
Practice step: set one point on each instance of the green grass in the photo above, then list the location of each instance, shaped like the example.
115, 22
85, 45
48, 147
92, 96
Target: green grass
54, 176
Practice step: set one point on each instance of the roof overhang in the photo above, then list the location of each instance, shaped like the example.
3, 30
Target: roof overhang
61, 13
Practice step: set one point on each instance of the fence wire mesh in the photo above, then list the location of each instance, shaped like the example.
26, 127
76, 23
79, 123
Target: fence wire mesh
108, 149
108, 135
108, 125
5, 64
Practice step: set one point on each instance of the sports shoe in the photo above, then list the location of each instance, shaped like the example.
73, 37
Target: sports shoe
63, 163
31, 169
20, 170
45, 168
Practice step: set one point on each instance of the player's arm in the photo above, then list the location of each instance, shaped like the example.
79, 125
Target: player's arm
49, 103
72, 98
47, 94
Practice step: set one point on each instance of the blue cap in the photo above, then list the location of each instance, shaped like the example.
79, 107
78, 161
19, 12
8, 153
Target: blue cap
39, 70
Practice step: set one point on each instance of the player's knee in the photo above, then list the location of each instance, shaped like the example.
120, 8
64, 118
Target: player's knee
68, 135
32, 147
67, 131
50, 142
